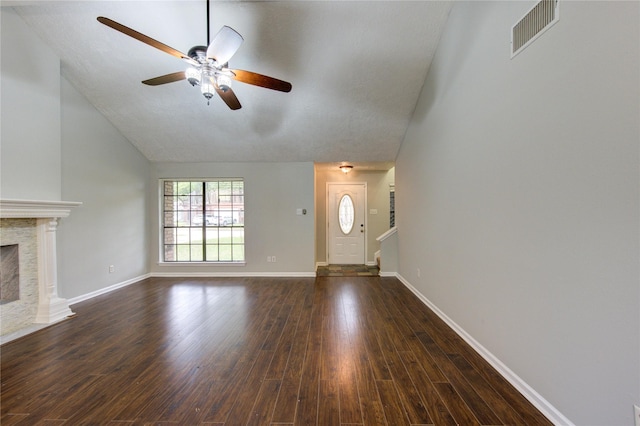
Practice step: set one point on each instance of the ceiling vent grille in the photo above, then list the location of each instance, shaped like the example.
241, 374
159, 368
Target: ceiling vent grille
539, 19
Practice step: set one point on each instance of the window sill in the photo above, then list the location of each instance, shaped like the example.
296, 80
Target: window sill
202, 263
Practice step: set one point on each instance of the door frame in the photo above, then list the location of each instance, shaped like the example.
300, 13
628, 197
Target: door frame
326, 225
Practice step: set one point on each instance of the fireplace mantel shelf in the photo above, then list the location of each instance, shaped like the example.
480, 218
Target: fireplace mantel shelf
15, 209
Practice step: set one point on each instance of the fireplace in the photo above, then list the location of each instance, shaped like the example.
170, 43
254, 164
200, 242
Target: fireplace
9, 273
29, 228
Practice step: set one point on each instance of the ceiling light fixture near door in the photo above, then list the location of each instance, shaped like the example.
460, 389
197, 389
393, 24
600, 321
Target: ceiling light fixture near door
346, 168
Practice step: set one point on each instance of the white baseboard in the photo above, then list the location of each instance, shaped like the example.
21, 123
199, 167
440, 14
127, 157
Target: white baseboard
233, 274
188, 275
369, 263
388, 274
107, 289
527, 391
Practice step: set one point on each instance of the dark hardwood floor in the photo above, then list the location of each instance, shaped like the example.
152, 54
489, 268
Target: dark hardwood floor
325, 351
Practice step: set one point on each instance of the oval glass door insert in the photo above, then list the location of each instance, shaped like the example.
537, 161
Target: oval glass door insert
346, 214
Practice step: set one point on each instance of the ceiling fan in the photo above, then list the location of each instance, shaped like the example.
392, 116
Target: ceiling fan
209, 66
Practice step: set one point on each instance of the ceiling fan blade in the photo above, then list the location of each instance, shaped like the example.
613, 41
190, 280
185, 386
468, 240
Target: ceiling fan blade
224, 45
164, 79
261, 80
145, 39
229, 97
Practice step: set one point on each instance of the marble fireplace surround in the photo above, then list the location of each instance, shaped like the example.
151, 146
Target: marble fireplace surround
51, 308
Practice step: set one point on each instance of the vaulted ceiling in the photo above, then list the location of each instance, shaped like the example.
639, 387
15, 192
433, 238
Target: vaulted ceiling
357, 69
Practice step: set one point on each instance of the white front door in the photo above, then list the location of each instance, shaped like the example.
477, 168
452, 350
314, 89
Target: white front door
346, 208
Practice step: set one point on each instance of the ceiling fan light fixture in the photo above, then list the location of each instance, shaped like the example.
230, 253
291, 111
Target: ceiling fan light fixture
207, 87
192, 74
209, 66
224, 82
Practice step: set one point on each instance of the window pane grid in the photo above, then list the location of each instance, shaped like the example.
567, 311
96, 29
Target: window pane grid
203, 221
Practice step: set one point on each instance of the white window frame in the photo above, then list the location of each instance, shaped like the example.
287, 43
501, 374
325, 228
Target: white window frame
183, 221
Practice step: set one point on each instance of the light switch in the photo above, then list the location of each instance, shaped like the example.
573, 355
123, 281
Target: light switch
373, 211
299, 212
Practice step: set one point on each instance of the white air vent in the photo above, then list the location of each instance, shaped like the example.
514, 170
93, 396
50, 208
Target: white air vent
539, 19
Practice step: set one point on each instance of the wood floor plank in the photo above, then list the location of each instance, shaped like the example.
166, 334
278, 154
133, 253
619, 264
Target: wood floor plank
262, 411
285, 409
498, 405
328, 403
391, 404
237, 364
282, 350
249, 390
227, 351
478, 406
370, 403
307, 412
523, 407
330, 356
347, 351
434, 405
455, 405
79, 396
15, 419
315, 334
350, 406
371, 343
409, 397
410, 325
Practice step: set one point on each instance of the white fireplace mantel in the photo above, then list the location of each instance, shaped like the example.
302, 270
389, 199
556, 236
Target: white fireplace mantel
51, 308
29, 209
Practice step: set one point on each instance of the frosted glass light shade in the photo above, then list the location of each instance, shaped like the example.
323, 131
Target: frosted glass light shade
207, 87
224, 82
192, 75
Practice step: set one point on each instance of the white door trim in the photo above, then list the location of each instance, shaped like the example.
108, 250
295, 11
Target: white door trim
327, 215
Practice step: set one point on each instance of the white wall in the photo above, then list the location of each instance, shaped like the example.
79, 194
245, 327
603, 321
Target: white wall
109, 176
56, 146
517, 197
273, 192
29, 114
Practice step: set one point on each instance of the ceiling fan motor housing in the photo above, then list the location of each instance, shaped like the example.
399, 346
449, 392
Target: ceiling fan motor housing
198, 53
208, 70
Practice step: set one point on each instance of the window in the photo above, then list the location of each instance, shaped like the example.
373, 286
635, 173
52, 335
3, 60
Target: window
203, 221
392, 206
346, 214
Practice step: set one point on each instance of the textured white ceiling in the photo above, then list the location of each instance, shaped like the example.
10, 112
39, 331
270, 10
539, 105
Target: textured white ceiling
357, 68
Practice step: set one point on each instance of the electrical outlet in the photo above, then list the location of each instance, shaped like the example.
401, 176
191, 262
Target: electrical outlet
418, 272
112, 269
636, 414
269, 259
273, 258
